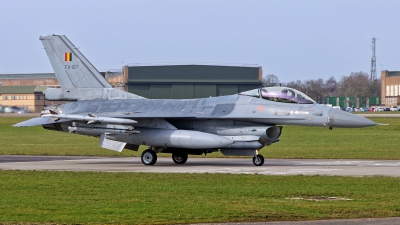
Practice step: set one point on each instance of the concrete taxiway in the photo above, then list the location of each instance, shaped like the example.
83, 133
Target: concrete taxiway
205, 165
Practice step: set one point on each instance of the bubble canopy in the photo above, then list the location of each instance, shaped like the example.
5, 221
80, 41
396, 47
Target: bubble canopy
280, 94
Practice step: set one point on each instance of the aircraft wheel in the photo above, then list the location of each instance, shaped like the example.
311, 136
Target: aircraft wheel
149, 157
258, 160
179, 158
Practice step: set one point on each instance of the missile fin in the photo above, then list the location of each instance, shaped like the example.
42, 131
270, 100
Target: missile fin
110, 144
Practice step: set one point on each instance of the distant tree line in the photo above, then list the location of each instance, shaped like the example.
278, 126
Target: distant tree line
357, 84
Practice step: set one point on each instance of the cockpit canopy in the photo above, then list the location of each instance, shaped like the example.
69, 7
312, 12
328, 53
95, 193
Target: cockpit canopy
280, 94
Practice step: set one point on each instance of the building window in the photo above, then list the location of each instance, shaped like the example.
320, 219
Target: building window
14, 97
37, 97
5, 97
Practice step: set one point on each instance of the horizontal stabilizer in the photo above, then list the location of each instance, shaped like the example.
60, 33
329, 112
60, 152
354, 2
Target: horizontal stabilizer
67, 94
37, 121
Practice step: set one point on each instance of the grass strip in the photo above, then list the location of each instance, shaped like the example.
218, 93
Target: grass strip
145, 198
378, 142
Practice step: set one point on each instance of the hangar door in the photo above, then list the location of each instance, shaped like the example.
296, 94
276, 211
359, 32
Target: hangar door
226, 89
182, 91
160, 91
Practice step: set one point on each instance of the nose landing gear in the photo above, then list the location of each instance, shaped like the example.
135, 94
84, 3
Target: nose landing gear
258, 160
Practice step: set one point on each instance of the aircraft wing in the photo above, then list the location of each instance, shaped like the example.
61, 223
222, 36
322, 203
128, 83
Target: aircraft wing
57, 118
37, 121
159, 115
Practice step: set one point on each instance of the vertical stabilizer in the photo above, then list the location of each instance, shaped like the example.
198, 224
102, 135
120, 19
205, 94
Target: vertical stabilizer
78, 78
72, 69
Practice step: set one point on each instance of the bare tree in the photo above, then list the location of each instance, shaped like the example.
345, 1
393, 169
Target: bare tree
271, 79
298, 85
330, 87
375, 88
357, 84
314, 88
344, 86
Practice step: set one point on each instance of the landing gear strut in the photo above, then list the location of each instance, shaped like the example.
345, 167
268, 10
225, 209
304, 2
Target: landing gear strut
179, 158
258, 160
149, 157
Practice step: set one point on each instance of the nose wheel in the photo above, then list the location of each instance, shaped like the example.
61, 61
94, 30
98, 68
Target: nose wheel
258, 160
149, 157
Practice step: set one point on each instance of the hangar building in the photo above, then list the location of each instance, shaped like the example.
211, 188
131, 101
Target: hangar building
190, 81
390, 87
152, 81
29, 98
32, 79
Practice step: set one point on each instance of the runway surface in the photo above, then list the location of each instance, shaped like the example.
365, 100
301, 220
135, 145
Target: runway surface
205, 165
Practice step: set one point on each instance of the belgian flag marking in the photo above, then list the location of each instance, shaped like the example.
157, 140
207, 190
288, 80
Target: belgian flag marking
68, 57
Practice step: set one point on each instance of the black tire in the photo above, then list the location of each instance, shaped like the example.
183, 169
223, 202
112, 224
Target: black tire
258, 160
179, 158
149, 157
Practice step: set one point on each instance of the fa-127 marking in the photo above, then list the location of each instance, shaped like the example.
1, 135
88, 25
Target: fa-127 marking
74, 67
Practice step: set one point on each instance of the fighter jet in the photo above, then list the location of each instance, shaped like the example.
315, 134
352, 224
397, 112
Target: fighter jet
239, 124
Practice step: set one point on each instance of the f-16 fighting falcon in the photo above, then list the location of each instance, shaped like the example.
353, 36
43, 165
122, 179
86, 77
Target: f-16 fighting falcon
239, 124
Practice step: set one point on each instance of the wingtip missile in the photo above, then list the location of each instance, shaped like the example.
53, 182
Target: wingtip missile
93, 119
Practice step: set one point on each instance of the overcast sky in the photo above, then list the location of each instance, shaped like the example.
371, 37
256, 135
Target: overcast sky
292, 39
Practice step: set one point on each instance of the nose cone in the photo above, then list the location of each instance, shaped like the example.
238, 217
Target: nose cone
339, 118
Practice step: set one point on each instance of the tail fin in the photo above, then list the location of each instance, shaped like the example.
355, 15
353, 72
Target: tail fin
72, 69
78, 78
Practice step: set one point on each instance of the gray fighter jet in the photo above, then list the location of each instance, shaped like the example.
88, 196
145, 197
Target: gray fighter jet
239, 124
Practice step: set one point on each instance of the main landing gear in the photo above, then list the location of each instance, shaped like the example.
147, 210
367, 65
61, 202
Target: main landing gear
149, 157
179, 158
258, 160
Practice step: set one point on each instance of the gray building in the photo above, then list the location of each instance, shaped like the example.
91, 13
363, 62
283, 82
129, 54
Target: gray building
164, 81
190, 81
